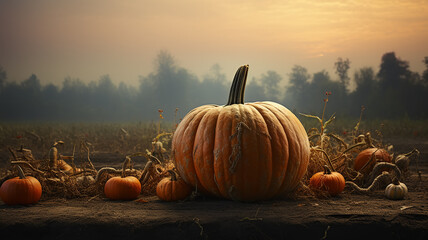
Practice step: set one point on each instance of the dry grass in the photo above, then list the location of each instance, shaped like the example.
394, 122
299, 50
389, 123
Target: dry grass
59, 184
118, 138
335, 150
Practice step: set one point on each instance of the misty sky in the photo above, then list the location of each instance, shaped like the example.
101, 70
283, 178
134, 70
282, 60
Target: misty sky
89, 38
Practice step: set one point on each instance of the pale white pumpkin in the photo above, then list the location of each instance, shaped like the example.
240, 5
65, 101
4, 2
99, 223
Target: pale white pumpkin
396, 190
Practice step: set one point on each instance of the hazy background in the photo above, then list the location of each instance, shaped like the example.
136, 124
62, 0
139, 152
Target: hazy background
122, 60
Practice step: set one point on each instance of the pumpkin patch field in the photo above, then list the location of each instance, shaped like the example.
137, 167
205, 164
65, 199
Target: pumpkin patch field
75, 204
238, 171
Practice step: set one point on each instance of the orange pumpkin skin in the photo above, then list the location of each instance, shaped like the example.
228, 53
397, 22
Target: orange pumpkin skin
380, 155
245, 152
21, 190
332, 182
173, 189
122, 188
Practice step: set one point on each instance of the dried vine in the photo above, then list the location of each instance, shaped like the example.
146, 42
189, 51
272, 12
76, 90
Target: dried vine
377, 181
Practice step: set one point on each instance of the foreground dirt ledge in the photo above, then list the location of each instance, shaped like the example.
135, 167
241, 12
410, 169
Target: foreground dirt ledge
351, 216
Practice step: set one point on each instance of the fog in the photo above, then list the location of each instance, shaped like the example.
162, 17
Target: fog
393, 92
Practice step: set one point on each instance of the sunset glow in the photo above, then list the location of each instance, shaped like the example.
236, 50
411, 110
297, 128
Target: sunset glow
87, 39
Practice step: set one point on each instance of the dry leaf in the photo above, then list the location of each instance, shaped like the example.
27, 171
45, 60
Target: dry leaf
405, 207
141, 200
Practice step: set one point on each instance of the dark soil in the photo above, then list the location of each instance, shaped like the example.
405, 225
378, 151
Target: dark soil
348, 216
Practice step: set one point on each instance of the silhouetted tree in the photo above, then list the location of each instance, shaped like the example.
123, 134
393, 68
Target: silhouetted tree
75, 97
104, 98
365, 92
315, 94
270, 83
425, 73
394, 80
393, 92
341, 95
3, 77
31, 97
3, 99
298, 83
342, 67
254, 91
128, 106
22, 101
50, 97
168, 87
393, 71
214, 88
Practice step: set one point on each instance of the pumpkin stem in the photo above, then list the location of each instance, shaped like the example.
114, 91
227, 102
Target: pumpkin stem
173, 175
369, 141
395, 181
326, 170
411, 152
236, 95
124, 165
20, 172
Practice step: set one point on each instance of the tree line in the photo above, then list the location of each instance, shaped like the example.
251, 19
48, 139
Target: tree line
394, 92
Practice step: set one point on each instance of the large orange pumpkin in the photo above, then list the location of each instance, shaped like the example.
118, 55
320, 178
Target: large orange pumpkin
21, 190
367, 159
244, 152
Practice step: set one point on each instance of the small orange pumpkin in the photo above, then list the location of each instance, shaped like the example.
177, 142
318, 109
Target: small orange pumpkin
21, 190
122, 188
366, 159
172, 189
332, 182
